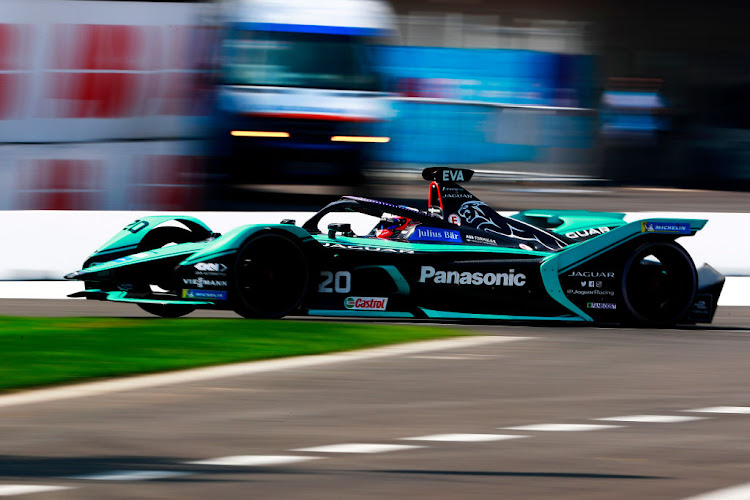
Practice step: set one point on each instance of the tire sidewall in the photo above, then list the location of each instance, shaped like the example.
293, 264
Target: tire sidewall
636, 317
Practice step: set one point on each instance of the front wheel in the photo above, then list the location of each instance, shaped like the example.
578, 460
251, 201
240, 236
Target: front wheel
158, 238
271, 277
167, 310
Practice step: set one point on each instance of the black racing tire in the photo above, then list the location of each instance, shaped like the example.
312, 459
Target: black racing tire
163, 236
271, 276
167, 310
659, 283
157, 238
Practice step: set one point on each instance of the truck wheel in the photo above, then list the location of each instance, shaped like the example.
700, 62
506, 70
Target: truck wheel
271, 276
659, 284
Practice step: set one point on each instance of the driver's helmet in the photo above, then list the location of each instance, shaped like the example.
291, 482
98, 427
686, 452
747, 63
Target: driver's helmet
391, 226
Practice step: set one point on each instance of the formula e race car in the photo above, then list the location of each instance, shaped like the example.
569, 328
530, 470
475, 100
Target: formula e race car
459, 259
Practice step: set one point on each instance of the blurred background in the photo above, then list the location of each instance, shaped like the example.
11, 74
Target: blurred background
224, 105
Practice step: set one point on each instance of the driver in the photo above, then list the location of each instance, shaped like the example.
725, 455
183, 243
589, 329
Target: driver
391, 226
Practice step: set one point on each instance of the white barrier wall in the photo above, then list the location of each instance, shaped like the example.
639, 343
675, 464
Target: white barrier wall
50, 244
90, 71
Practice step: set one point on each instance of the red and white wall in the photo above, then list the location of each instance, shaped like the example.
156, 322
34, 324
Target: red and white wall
138, 175
94, 71
79, 81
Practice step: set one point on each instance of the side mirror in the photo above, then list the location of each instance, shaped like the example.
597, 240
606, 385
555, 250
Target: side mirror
345, 229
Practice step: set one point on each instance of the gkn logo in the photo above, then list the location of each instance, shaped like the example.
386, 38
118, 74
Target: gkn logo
429, 273
216, 267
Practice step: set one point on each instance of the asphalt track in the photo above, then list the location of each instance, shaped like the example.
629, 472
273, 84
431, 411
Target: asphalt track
462, 403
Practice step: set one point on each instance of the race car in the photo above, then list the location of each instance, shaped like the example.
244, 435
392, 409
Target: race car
458, 259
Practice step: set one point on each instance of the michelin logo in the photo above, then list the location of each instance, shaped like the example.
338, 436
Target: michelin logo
665, 227
204, 294
429, 273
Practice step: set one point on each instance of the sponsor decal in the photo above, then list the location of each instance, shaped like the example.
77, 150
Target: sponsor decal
601, 305
479, 215
204, 294
524, 246
131, 257
587, 232
454, 219
665, 227
366, 303
200, 282
366, 248
433, 234
213, 267
590, 292
472, 238
591, 284
429, 273
591, 274
458, 195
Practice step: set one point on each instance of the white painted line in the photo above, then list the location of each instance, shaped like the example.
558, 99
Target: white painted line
741, 492
131, 475
359, 448
254, 460
466, 438
239, 369
745, 410
657, 419
8, 490
463, 357
39, 289
562, 427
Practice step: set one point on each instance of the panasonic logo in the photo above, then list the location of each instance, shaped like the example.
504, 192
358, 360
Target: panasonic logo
467, 278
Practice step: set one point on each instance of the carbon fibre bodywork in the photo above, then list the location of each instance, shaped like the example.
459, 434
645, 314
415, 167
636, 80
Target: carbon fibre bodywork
459, 259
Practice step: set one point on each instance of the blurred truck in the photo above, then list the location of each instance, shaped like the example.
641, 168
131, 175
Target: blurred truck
299, 92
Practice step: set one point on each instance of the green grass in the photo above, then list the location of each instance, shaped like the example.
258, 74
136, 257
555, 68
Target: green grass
44, 351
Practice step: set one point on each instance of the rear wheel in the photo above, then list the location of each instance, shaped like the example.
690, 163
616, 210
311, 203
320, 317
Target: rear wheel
271, 276
158, 238
659, 284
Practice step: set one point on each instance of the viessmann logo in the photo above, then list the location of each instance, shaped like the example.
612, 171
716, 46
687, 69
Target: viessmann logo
200, 282
467, 278
366, 303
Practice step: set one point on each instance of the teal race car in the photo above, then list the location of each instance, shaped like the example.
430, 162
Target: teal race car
458, 259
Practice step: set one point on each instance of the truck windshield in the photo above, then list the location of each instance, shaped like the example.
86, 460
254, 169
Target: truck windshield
309, 60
